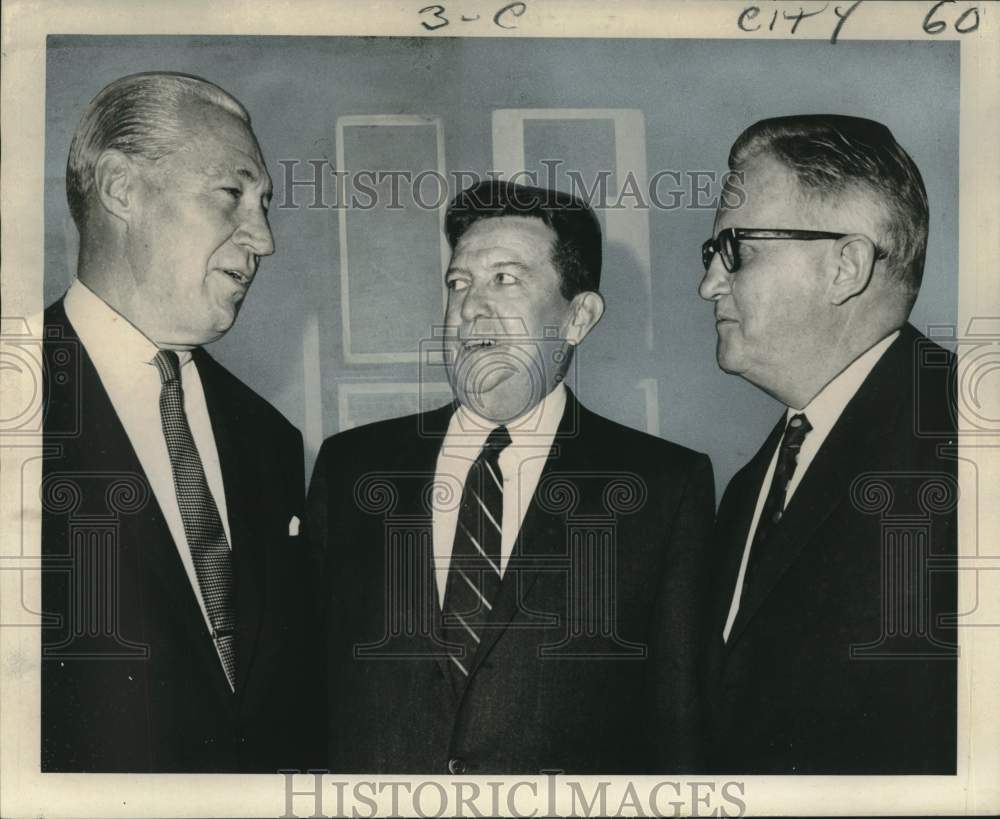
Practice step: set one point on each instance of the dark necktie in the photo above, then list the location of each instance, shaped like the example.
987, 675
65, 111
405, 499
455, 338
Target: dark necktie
474, 571
210, 553
774, 505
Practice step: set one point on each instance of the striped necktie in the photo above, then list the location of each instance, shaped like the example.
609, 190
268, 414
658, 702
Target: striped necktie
474, 571
206, 537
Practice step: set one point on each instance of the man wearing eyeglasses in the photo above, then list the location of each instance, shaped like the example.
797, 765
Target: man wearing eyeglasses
828, 645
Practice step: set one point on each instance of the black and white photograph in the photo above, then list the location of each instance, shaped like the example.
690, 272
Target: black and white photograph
483, 408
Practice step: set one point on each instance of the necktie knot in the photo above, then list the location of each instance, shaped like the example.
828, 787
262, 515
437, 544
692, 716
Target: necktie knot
796, 431
497, 442
772, 511
168, 365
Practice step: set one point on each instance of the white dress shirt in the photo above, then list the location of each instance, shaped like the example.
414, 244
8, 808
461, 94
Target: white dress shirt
822, 412
123, 358
521, 463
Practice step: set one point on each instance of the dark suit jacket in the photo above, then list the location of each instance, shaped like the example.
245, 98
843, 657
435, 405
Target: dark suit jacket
130, 677
588, 665
839, 661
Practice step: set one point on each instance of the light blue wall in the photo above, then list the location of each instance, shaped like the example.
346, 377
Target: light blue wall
696, 96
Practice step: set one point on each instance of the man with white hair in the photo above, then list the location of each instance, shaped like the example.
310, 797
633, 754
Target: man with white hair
829, 647
172, 493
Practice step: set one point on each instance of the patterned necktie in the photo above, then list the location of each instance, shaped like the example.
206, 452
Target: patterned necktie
474, 571
774, 505
206, 537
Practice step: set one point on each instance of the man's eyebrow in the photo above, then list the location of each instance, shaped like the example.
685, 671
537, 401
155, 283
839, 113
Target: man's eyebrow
241, 171
247, 173
492, 265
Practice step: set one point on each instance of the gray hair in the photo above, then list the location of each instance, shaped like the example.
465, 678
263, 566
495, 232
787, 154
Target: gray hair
139, 115
833, 155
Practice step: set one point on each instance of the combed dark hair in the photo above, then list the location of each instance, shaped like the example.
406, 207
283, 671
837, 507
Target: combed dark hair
576, 249
138, 115
833, 155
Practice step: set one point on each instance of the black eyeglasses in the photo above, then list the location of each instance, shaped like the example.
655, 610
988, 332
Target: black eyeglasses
727, 243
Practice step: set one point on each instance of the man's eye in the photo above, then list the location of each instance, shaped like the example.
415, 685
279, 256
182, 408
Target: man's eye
236, 193
506, 278
457, 284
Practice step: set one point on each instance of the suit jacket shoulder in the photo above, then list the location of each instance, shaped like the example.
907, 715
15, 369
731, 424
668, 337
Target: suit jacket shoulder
168, 708
391, 432
903, 412
249, 406
813, 634
614, 509
603, 443
615, 442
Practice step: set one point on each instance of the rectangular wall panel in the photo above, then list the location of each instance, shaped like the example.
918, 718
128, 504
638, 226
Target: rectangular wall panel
591, 143
392, 246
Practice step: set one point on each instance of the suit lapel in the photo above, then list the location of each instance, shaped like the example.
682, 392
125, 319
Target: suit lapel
246, 509
108, 447
542, 534
735, 516
415, 468
844, 455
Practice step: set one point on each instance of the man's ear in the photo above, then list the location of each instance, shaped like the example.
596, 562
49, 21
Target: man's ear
586, 310
854, 257
115, 182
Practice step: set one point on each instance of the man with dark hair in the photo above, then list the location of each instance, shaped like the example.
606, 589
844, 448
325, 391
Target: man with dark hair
171, 492
828, 645
576, 249
513, 582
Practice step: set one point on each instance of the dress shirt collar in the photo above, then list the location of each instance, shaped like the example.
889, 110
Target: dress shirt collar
827, 406
115, 345
537, 427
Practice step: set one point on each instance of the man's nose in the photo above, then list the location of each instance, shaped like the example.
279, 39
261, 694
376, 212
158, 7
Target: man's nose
716, 280
477, 304
254, 233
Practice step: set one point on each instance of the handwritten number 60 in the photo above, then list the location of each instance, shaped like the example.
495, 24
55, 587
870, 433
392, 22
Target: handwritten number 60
961, 26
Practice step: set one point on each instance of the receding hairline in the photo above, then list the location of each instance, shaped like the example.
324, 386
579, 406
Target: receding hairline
140, 115
832, 200
193, 120
855, 170
190, 85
